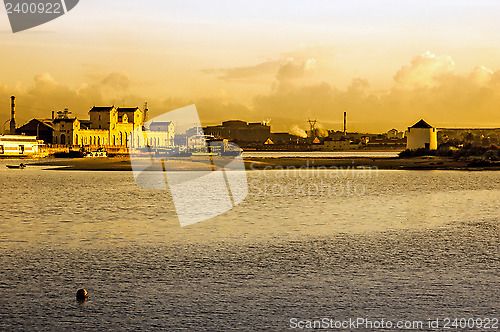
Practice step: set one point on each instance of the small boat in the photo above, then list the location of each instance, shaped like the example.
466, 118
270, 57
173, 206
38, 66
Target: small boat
96, 154
20, 166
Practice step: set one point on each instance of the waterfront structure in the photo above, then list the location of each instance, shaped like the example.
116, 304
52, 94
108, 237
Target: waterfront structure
421, 135
108, 126
240, 131
18, 145
334, 144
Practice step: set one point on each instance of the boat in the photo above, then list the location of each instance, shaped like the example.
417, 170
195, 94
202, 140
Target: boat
96, 154
20, 166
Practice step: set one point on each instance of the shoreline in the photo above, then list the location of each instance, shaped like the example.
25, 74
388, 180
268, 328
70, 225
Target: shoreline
268, 163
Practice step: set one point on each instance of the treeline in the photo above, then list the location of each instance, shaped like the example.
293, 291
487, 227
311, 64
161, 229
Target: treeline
467, 152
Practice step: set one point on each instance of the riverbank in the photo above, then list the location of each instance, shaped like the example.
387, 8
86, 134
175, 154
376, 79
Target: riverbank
416, 163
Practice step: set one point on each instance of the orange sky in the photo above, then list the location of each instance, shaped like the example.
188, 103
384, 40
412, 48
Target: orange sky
387, 63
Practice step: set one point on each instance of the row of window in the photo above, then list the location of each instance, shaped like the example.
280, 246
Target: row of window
19, 148
122, 139
93, 140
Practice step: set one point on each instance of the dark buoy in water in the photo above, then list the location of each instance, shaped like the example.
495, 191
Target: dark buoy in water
82, 295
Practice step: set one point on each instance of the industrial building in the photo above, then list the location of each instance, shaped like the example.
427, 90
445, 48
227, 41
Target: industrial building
330, 144
43, 129
108, 126
240, 131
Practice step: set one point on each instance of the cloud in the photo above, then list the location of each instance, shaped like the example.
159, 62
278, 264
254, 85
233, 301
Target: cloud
291, 65
46, 94
284, 70
293, 69
427, 87
117, 80
424, 71
481, 75
245, 72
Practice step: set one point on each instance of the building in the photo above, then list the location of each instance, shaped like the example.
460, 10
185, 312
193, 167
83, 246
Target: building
476, 136
285, 138
108, 126
18, 145
159, 134
395, 134
421, 135
43, 129
240, 131
333, 144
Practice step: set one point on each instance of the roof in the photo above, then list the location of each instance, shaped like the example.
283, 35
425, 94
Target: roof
269, 141
160, 125
84, 124
64, 120
128, 109
101, 108
421, 124
45, 122
234, 123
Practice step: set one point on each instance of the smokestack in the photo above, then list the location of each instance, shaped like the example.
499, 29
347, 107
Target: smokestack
53, 115
12, 115
345, 121
145, 112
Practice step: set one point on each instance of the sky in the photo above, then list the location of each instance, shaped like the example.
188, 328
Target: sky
386, 63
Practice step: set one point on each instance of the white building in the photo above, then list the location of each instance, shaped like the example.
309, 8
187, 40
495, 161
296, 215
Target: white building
395, 134
421, 135
332, 145
18, 145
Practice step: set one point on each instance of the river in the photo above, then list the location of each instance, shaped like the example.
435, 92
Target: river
304, 245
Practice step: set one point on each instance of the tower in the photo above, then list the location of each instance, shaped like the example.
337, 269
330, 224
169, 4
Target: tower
12, 115
421, 136
345, 123
312, 127
145, 115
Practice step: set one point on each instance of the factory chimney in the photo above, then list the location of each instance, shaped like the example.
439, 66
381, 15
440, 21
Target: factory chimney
345, 120
145, 115
12, 115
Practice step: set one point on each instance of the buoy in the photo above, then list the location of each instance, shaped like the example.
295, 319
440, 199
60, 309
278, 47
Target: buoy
82, 295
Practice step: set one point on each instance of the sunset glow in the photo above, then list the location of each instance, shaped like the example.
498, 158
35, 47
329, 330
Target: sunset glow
387, 63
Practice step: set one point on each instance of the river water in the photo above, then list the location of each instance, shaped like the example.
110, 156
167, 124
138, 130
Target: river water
321, 154
304, 245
